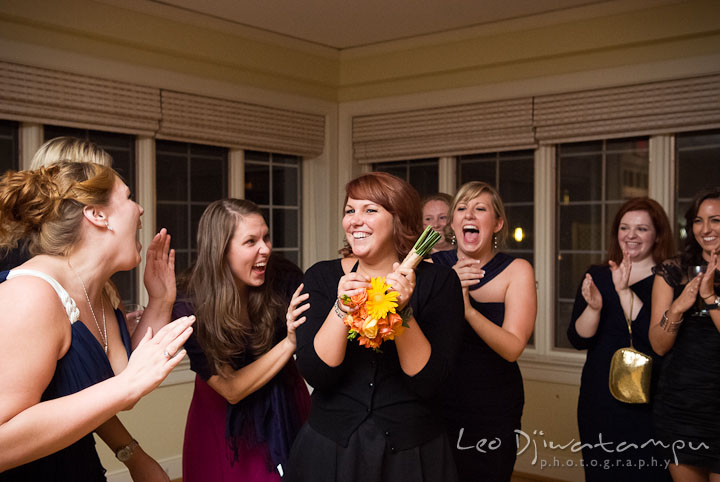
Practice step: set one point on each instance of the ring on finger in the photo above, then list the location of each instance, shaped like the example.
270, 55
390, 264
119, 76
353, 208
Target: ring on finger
167, 355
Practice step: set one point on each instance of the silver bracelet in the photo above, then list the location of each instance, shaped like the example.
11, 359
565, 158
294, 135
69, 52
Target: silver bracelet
670, 326
340, 313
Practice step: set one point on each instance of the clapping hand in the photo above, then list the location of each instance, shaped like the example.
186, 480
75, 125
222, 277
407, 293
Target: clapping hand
156, 356
590, 293
295, 309
707, 283
621, 273
159, 274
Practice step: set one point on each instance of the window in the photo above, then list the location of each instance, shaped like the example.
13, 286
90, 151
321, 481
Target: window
188, 178
422, 174
9, 158
512, 174
272, 181
122, 149
698, 167
593, 180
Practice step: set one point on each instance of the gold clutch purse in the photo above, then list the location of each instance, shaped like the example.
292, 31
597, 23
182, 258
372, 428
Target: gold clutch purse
630, 372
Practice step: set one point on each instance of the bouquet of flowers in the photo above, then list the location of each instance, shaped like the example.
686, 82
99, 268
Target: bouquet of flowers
375, 319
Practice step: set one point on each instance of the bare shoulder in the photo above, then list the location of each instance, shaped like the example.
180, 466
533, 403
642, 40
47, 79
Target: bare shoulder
521, 267
35, 334
29, 304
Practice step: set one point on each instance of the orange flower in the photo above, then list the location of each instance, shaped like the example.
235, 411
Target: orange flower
360, 299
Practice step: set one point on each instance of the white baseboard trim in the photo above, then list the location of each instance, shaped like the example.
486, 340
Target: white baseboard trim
171, 465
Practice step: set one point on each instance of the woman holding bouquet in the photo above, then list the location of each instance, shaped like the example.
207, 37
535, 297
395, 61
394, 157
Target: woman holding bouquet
249, 400
483, 398
375, 415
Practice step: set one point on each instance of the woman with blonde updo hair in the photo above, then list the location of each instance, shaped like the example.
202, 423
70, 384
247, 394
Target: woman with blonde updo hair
69, 149
65, 353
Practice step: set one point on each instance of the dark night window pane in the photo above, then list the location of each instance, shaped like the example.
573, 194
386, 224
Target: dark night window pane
398, 170
517, 180
205, 175
580, 178
257, 183
424, 178
9, 158
285, 186
285, 228
173, 217
171, 177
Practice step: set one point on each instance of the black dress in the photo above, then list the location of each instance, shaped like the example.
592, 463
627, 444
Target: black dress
370, 421
483, 398
602, 418
687, 406
83, 365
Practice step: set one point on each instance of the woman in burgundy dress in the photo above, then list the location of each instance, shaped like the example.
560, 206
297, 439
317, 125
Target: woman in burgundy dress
249, 399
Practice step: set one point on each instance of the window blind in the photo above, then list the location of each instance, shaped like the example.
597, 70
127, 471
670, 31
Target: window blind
193, 118
643, 109
444, 131
33, 94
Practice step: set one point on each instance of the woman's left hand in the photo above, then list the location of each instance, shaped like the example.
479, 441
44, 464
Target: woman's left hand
402, 280
296, 309
621, 273
159, 275
707, 288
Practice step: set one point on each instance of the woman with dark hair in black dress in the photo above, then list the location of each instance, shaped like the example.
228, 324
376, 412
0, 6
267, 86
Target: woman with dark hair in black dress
685, 328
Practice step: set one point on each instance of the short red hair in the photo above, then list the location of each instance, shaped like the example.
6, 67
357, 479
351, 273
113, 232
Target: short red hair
399, 198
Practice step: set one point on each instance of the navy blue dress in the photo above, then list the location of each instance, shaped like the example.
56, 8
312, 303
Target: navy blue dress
599, 413
483, 397
84, 365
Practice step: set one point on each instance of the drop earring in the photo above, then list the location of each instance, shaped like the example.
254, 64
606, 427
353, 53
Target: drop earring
453, 239
107, 225
495, 242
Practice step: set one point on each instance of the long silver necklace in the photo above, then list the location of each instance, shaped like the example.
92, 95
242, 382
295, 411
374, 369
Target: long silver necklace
103, 332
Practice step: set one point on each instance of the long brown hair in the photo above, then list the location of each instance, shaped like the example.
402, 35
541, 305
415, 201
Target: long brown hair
221, 330
45, 206
664, 246
399, 198
692, 252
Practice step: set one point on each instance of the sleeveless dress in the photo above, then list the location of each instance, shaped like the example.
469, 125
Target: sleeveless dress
687, 407
602, 418
84, 365
483, 398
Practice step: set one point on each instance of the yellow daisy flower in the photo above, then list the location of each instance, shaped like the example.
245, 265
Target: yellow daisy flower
380, 301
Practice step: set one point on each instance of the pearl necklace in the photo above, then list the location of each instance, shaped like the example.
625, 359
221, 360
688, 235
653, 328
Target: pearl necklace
103, 332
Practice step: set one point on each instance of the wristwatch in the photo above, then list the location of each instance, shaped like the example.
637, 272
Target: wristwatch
713, 306
126, 452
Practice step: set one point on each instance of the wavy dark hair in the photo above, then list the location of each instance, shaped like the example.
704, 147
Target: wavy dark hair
222, 332
399, 198
664, 247
692, 252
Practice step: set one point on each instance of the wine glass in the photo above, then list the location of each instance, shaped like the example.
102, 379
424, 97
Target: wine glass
134, 312
698, 308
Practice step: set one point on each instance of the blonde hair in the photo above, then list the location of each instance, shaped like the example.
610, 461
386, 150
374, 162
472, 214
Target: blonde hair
473, 189
69, 149
45, 206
